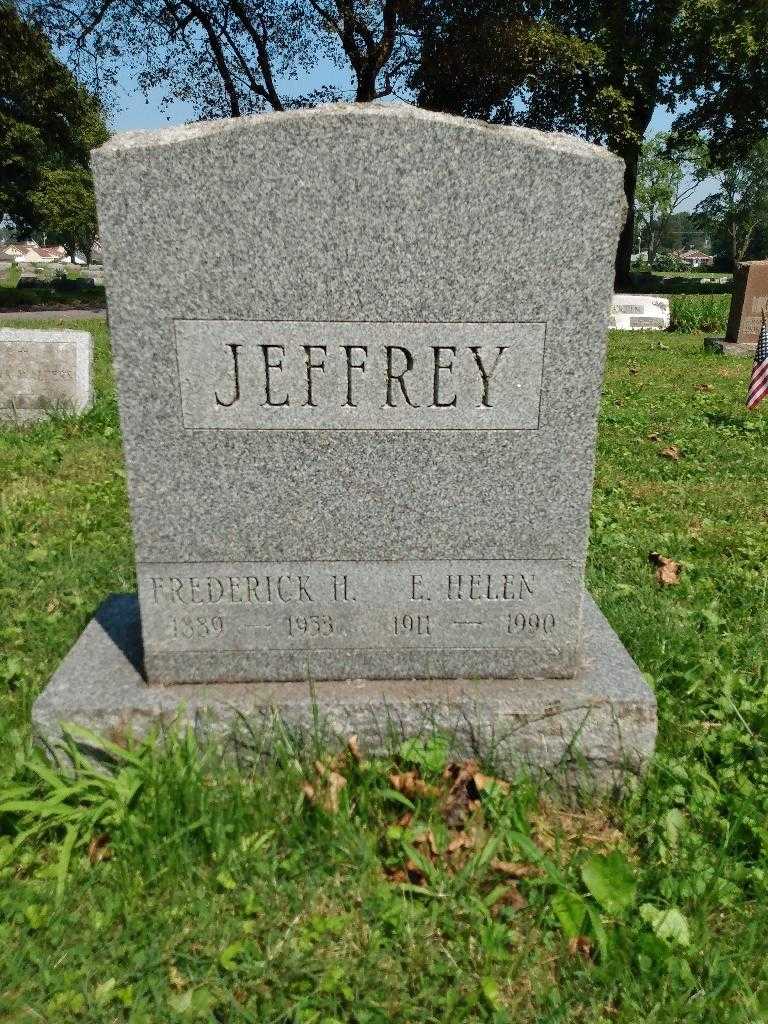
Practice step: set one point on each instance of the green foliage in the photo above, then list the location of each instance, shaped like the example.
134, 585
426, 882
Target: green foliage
699, 312
668, 171
741, 204
65, 207
667, 262
82, 806
47, 119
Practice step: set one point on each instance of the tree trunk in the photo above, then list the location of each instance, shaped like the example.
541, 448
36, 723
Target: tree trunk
366, 84
630, 154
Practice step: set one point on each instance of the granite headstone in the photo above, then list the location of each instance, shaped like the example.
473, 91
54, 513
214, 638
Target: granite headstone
639, 313
748, 303
43, 372
359, 459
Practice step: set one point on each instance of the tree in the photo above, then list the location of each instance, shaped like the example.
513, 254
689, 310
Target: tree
47, 119
227, 57
65, 207
740, 205
519, 62
598, 68
667, 175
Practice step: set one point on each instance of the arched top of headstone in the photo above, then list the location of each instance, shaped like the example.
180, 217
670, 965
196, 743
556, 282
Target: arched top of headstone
363, 116
384, 212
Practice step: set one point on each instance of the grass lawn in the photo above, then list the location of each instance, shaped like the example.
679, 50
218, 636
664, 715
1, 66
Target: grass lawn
14, 298
280, 894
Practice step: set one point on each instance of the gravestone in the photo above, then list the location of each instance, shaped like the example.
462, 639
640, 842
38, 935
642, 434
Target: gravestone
43, 372
359, 458
639, 313
749, 301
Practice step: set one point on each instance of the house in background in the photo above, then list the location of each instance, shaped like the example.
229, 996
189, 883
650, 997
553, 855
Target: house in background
694, 258
31, 252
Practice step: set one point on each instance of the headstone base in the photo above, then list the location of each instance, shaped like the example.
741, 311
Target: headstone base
599, 726
722, 347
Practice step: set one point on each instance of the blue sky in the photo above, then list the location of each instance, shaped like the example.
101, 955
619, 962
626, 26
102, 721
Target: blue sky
136, 111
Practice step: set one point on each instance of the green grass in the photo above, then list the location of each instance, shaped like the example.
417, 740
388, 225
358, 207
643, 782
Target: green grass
230, 896
13, 298
681, 282
699, 312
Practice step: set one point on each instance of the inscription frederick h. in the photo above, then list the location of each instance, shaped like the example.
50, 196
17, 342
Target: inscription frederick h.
287, 375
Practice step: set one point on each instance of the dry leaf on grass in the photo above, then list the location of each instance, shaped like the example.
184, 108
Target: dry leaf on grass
354, 749
98, 848
324, 793
581, 946
515, 870
461, 841
511, 897
176, 980
671, 452
427, 838
667, 570
409, 784
464, 796
486, 782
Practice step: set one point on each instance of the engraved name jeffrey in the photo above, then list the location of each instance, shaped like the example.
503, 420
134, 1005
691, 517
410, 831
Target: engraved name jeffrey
399, 375
347, 376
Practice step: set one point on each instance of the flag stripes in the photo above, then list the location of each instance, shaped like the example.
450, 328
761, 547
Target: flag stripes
758, 383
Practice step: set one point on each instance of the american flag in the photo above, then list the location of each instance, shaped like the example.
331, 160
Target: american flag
758, 384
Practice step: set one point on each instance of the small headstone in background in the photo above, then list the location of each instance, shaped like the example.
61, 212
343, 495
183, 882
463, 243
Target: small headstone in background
639, 313
43, 371
749, 301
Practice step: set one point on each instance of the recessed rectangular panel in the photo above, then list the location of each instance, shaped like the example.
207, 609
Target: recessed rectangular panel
251, 375
408, 604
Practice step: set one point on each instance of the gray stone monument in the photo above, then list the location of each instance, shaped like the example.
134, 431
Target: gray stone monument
43, 372
359, 427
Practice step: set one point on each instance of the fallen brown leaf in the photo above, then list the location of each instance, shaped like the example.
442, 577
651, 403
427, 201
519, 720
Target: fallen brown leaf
409, 784
98, 848
427, 838
410, 873
325, 792
464, 796
461, 841
174, 977
581, 946
354, 749
515, 870
667, 570
671, 452
511, 897
483, 782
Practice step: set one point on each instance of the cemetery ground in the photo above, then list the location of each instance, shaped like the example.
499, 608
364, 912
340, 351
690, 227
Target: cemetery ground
48, 292
322, 888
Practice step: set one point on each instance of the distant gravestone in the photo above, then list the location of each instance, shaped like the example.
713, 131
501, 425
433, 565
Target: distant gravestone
749, 301
639, 313
43, 371
359, 458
